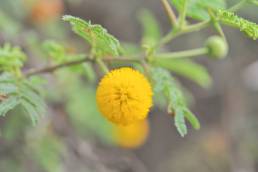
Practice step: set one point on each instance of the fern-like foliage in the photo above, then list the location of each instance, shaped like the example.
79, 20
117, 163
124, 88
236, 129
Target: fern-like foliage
248, 27
166, 85
102, 43
14, 92
11, 57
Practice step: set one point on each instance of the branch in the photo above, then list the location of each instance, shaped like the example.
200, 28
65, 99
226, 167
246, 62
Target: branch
187, 29
169, 11
182, 15
183, 54
53, 68
50, 69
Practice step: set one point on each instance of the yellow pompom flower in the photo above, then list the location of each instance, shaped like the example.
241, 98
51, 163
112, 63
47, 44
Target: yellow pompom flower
124, 96
131, 136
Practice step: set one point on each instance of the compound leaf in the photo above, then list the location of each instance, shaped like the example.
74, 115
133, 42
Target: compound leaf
11, 57
102, 43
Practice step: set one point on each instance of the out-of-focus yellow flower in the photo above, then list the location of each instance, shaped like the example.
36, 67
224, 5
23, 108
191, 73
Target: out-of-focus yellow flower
131, 136
124, 96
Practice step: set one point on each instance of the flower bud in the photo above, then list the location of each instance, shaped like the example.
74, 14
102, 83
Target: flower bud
217, 47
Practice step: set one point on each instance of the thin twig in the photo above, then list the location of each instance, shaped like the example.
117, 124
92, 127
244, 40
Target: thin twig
170, 12
182, 15
196, 27
102, 66
183, 54
190, 28
49, 69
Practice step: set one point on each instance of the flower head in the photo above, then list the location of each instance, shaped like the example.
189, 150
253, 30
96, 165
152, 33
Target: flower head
124, 96
133, 135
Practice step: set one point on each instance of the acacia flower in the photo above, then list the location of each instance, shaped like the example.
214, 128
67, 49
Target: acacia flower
131, 136
124, 96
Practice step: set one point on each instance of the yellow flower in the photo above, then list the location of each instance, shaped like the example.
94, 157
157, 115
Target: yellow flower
131, 136
124, 96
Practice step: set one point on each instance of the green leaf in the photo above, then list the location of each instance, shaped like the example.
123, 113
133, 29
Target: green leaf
186, 68
180, 122
102, 43
231, 19
197, 9
11, 57
163, 83
21, 92
7, 88
8, 104
31, 101
192, 119
150, 27
8, 92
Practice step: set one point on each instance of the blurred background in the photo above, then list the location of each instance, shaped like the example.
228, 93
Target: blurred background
75, 137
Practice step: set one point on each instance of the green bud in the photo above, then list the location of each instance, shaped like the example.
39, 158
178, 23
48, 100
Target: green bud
217, 47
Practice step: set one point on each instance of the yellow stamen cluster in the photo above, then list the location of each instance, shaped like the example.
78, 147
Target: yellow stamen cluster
124, 96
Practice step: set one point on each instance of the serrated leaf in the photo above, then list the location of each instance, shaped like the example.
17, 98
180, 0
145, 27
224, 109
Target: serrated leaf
231, 19
102, 43
150, 27
186, 68
197, 9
